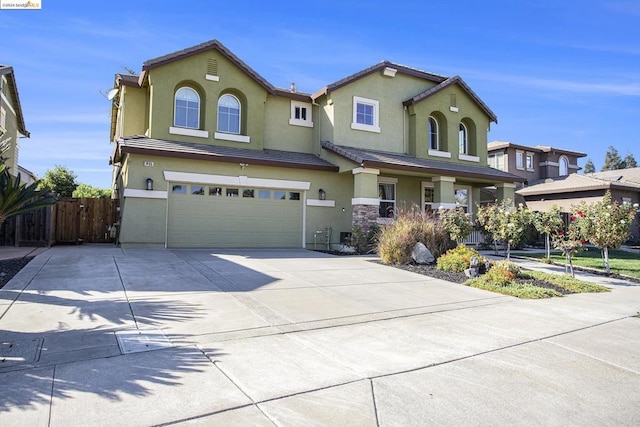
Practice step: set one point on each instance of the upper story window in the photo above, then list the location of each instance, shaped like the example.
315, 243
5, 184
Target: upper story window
529, 161
300, 114
434, 135
563, 165
187, 108
519, 160
366, 114
463, 139
229, 114
496, 161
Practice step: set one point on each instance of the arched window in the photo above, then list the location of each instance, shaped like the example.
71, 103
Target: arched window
463, 140
187, 108
434, 136
563, 165
229, 114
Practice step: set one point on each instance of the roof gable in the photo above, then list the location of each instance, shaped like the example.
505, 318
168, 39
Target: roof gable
13, 88
203, 47
402, 69
447, 83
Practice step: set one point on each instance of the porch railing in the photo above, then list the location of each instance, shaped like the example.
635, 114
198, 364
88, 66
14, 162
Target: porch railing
474, 239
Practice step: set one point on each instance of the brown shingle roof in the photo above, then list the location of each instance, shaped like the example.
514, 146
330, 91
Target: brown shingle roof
499, 145
139, 144
7, 71
382, 159
445, 84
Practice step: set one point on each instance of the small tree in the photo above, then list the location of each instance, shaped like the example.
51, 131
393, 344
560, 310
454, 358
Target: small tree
488, 218
606, 224
60, 180
547, 223
571, 241
506, 222
457, 222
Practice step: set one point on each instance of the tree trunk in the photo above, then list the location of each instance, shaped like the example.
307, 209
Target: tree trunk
547, 245
606, 260
570, 259
508, 250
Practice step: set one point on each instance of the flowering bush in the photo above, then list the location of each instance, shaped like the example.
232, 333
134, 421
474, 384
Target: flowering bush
499, 276
547, 223
457, 222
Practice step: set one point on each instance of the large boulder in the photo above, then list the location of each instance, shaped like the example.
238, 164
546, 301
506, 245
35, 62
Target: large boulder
422, 255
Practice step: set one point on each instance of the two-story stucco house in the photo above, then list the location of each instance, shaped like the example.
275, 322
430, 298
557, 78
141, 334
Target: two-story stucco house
12, 126
533, 163
208, 153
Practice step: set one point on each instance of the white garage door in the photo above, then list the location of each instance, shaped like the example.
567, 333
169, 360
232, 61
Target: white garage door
234, 216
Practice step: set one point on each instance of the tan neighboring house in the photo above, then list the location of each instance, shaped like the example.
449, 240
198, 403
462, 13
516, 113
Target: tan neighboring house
568, 191
207, 153
12, 126
533, 163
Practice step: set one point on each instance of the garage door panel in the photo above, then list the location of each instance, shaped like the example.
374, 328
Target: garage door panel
212, 221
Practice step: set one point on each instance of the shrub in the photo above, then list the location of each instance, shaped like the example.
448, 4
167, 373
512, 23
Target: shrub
509, 266
457, 222
458, 259
499, 276
396, 240
364, 240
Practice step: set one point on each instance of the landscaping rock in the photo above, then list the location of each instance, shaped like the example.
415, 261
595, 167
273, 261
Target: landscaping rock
472, 272
422, 255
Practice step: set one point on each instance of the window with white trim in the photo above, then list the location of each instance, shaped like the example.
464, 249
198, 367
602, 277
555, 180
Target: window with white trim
563, 166
463, 139
519, 159
496, 161
187, 108
428, 196
387, 196
3, 119
300, 114
229, 114
434, 135
529, 161
366, 114
462, 197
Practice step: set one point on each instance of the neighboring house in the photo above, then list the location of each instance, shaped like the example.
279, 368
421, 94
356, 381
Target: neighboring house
207, 153
26, 176
533, 163
12, 126
568, 191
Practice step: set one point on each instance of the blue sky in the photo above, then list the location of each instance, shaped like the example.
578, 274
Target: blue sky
559, 73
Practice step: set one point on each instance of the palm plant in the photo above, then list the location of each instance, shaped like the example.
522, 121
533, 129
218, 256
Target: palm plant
17, 198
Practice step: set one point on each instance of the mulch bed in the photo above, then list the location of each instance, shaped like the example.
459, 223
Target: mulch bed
11, 267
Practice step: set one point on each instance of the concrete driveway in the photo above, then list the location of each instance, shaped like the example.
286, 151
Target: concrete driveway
98, 335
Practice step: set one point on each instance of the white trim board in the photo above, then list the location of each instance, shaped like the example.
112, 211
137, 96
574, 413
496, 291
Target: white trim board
241, 181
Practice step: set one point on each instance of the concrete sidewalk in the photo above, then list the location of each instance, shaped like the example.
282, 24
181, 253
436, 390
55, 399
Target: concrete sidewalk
11, 252
98, 335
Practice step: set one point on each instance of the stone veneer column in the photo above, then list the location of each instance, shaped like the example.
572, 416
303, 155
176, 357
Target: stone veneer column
365, 202
506, 190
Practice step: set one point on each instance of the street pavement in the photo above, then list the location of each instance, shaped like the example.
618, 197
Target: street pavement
103, 336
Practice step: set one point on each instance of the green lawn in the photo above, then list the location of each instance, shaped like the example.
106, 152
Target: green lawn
621, 262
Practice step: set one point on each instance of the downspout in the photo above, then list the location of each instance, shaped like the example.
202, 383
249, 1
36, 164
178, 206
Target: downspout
166, 225
304, 219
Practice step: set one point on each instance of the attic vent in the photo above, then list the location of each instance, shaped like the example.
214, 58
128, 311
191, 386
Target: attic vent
212, 67
452, 100
212, 70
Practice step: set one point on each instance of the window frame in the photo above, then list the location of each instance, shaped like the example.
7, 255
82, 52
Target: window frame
469, 207
463, 139
175, 109
433, 135
394, 183
528, 155
424, 202
307, 121
561, 160
519, 159
375, 126
493, 158
218, 121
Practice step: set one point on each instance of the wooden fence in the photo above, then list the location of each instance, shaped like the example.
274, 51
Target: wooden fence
69, 221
